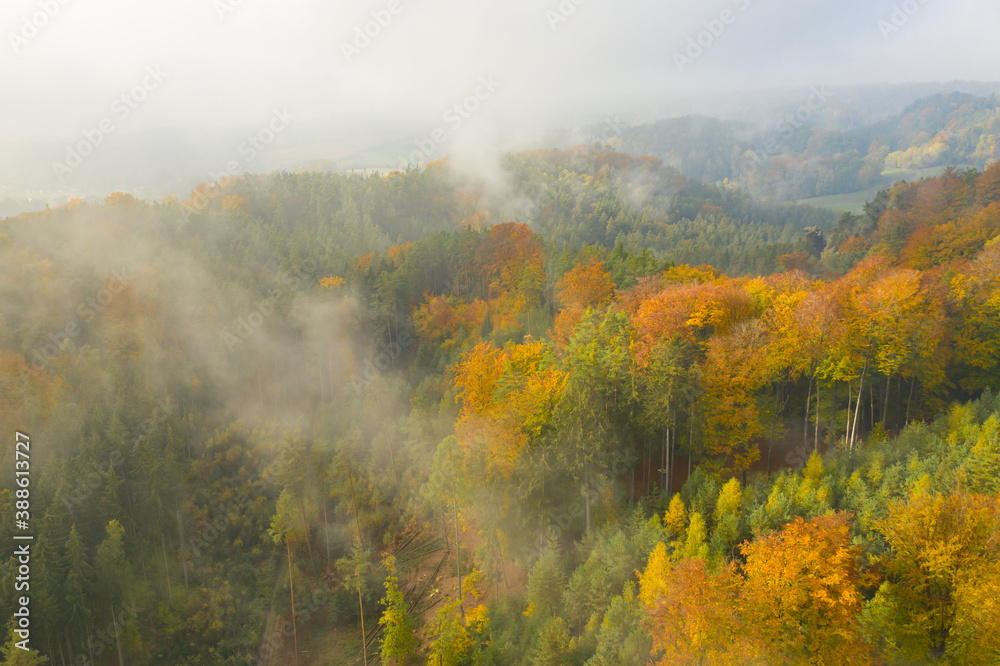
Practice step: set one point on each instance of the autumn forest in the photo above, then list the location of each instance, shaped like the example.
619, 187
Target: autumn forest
603, 414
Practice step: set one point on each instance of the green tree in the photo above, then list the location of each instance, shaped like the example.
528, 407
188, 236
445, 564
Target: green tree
15, 656
398, 638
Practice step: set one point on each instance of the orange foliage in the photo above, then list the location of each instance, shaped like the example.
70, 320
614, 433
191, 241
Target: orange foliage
477, 375
802, 591
587, 285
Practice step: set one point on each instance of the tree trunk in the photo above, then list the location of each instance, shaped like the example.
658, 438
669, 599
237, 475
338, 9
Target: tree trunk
774, 425
833, 413
805, 426
847, 426
291, 592
364, 637
166, 568
871, 403
392, 455
121, 661
857, 409
458, 560
184, 566
326, 529
305, 532
816, 445
90, 642
899, 402
913, 385
885, 404
354, 501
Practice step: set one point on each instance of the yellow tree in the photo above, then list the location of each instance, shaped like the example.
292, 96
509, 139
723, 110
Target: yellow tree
801, 592
940, 546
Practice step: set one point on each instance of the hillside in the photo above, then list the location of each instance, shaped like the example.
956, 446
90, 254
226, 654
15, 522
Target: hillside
244, 403
793, 158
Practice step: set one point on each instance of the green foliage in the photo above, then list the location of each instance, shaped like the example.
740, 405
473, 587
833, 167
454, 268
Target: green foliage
450, 639
545, 582
15, 656
399, 641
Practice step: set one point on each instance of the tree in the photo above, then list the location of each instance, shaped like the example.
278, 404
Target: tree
77, 587
554, 644
399, 641
675, 518
355, 569
695, 619
802, 591
279, 531
450, 639
15, 656
943, 559
694, 545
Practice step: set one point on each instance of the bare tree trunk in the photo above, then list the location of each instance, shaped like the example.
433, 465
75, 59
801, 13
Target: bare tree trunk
326, 528
166, 568
364, 636
899, 402
392, 455
458, 560
885, 404
833, 413
291, 591
913, 385
114, 618
774, 424
816, 446
805, 426
354, 501
871, 403
305, 532
180, 525
857, 409
847, 427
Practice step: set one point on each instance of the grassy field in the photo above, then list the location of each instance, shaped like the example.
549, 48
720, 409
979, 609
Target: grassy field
854, 202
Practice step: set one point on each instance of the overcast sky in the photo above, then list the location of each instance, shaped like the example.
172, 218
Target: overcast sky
234, 64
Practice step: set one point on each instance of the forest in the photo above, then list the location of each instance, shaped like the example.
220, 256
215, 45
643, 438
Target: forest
596, 413
794, 157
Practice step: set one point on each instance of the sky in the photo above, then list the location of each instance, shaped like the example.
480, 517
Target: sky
65, 64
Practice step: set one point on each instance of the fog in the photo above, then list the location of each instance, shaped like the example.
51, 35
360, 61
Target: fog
224, 67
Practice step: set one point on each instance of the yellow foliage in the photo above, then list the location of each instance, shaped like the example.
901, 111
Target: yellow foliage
332, 282
730, 500
675, 518
653, 581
